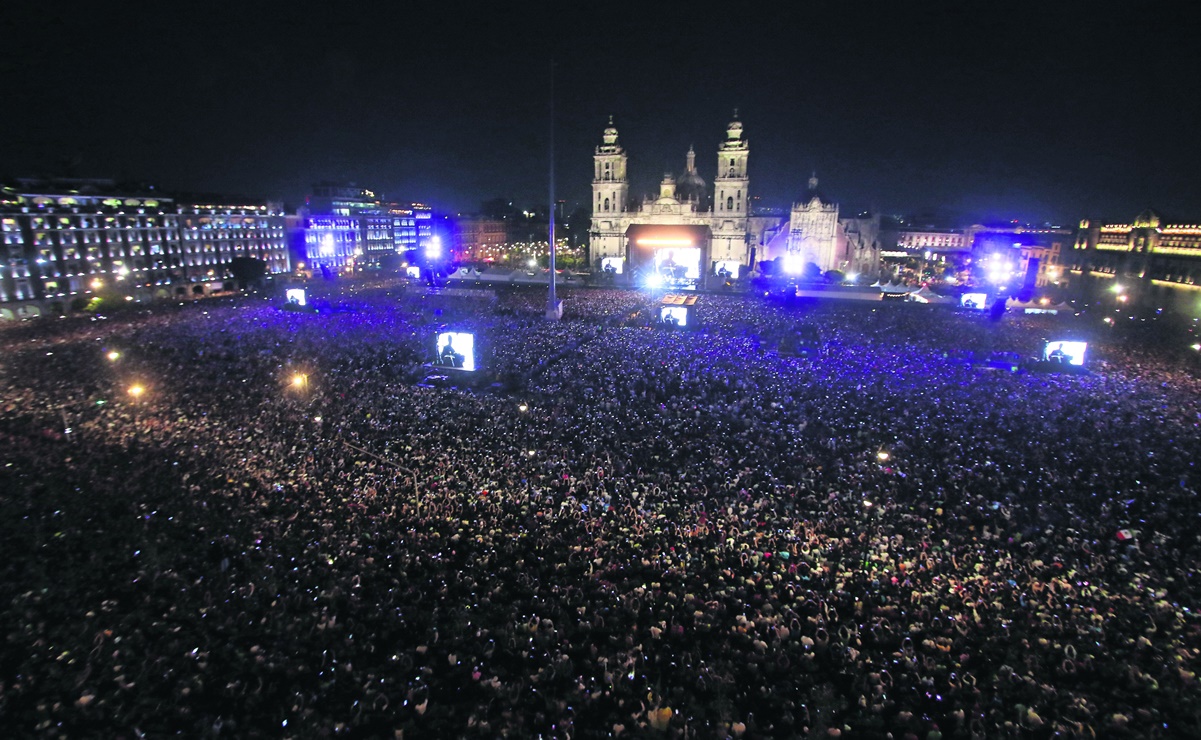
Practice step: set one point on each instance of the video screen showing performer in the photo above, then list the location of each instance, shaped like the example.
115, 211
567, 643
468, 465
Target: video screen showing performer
674, 316
1067, 353
977, 301
456, 350
678, 265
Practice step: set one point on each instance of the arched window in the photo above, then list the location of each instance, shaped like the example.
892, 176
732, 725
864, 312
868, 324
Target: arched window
739, 207
730, 203
606, 204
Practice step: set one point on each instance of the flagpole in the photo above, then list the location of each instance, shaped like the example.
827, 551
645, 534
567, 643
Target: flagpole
553, 312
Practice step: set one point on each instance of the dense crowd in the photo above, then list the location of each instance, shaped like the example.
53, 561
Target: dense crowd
635, 531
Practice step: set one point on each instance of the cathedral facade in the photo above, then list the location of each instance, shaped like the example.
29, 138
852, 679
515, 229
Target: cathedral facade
818, 238
679, 238
685, 238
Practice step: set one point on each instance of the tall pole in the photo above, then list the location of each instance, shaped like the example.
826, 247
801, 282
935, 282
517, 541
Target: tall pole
552, 303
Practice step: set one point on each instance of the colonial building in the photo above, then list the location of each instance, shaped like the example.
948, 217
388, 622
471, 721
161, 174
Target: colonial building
817, 238
345, 227
67, 241
678, 238
1148, 255
479, 238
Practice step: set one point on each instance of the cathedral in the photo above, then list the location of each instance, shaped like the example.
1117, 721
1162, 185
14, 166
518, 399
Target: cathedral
683, 238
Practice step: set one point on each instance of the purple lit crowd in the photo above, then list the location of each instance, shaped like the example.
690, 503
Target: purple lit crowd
627, 530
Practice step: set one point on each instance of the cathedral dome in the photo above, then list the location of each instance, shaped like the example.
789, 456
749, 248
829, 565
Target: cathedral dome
691, 186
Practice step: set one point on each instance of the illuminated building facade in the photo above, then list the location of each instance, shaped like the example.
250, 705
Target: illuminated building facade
1162, 257
346, 228
332, 243
937, 241
479, 238
71, 240
817, 239
1032, 257
718, 235
687, 238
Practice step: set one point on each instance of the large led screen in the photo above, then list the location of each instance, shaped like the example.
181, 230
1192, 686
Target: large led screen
296, 296
613, 265
456, 350
674, 315
974, 300
727, 269
677, 264
1071, 353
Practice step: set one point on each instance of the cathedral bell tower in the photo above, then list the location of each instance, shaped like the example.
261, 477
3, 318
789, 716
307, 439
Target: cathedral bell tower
610, 186
731, 240
731, 185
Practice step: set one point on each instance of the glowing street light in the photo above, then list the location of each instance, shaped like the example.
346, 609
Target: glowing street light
113, 356
136, 391
300, 381
523, 408
882, 456
97, 284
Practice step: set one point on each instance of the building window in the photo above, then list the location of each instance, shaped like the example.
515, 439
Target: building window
606, 204
730, 203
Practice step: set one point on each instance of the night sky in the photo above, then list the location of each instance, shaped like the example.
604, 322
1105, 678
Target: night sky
1039, 112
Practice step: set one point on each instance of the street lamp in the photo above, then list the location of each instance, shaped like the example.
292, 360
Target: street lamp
136, 391
113, 356
300, 381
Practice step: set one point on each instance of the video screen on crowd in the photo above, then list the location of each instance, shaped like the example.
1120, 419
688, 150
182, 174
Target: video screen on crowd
977, 301
296, 296
727, 269
674, 315
681, 263
613, 265
413, 271
455, 349
1070, 353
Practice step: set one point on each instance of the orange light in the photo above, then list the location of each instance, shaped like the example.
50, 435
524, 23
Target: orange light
136, 391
